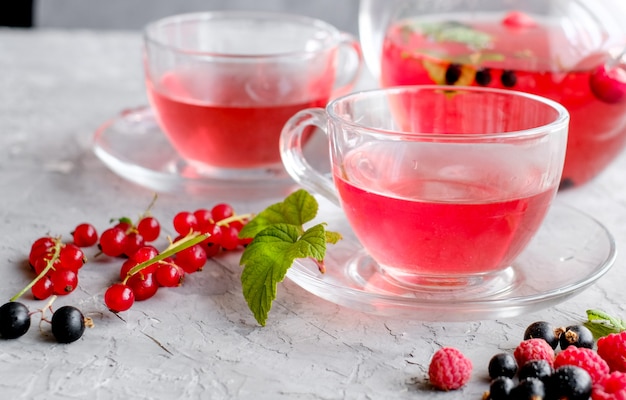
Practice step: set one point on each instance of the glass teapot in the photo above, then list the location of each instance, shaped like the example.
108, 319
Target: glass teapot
571, 51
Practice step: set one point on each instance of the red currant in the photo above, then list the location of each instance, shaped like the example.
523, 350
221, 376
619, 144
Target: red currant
113, 242
145, 253
119, 297
42, 289
143, 286
185, 222
204, 218
229, 238
134, 241
126, 267
191, 259
64, 281
85, 235
608, 83
71, 257
222, 211
169, 275
149, 228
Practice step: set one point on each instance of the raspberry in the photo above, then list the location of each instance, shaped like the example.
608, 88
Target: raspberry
534, 349
449, 369
610, 387
612, 349
584, 358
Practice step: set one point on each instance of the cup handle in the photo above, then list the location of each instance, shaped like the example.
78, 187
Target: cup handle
350, 64
292, 153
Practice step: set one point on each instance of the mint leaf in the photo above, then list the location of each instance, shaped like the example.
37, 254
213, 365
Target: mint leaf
279, 238
450, 31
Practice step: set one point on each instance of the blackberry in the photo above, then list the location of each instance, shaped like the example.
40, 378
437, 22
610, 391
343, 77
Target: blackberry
569, 383
500, 388
577, 335
529, 389
14, 320
453, 73
544, 330
508, 78
483, 76
68, 324
540, 369
502, 364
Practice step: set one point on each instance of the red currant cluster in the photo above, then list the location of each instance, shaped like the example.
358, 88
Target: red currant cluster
202, 234
56, 265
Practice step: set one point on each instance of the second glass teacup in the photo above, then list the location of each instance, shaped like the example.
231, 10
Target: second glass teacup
222, 84
443, 186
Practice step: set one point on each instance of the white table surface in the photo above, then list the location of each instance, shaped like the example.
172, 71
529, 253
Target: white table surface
56, 88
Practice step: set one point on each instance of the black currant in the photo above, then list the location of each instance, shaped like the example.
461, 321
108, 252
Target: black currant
14, 320
500, 388
502, 364
540, 369
577, 335
566, 183
453, 73
529, 389
569, 383
68, 324
543, 330
483, 76
508, 78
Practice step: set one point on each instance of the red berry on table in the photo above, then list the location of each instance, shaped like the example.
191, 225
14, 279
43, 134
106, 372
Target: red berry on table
71, 257
134, 241
185, 222
64, 281
222, 211
584, 358
119, 297
169, 275
149, 228
113, 242
42, 289
608, 83
143, 286
191, 259
126, 267
85, 235
610, 387
229, 238
204, 219
449, 369
533, 349
145, 253
612, 348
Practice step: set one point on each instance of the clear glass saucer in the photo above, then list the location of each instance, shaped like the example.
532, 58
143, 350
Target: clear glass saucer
570, 252
133, 146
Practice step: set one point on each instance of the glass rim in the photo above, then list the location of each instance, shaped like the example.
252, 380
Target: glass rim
151, 28
560, 121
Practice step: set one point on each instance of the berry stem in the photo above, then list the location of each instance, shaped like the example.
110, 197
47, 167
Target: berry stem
234, 218
190, 240
49, 265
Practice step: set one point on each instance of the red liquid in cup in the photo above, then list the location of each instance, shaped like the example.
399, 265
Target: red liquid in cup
439, 216
536, 59
232, 129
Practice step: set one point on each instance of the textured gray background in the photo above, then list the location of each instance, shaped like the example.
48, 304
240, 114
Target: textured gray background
134, 14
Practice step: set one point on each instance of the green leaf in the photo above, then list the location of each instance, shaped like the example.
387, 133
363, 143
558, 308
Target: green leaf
602, 324
268, 257
298, 208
